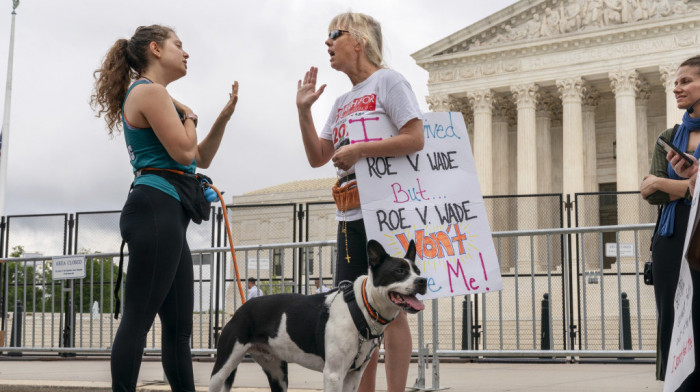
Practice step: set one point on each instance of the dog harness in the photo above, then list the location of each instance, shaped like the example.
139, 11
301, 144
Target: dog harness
365, 332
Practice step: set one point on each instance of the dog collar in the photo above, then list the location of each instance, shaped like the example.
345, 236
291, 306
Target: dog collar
357, 316
372, 312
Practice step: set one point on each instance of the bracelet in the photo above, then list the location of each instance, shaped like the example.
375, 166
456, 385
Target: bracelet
192, 116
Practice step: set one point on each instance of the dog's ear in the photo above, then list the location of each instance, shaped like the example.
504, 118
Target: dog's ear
411, 252
375, 252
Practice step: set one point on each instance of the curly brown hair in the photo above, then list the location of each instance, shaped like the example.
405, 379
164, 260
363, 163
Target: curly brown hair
124, 62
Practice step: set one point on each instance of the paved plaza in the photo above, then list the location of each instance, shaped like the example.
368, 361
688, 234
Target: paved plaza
63, 375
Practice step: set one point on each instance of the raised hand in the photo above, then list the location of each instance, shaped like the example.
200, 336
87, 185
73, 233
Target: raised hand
230, 107
306, 89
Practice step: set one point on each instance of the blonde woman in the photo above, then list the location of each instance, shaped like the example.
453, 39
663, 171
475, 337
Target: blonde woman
355, 48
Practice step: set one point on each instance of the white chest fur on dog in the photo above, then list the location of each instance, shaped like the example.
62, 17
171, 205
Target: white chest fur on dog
319, 331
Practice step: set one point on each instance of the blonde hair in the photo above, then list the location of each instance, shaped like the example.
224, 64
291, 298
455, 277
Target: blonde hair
365, 29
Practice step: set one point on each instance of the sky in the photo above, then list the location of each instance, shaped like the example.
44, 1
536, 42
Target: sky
61, 159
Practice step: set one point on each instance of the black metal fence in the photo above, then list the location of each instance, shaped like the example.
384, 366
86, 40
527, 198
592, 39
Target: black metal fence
565, 268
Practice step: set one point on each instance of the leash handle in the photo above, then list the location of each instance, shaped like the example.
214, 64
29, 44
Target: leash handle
230, 242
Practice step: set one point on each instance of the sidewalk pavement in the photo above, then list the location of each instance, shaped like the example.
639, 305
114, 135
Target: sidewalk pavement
86, 375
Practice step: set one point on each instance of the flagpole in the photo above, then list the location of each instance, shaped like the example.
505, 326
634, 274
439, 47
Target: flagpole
5, 133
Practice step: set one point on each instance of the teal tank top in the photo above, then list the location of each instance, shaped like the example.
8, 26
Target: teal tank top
145, 150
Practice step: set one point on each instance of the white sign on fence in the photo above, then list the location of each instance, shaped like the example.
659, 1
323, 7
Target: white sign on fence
626, 250
68, 267
681, 354
432, 197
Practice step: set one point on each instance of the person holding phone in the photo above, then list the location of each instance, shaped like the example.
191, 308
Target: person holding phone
355, 48
683, 168
667, 185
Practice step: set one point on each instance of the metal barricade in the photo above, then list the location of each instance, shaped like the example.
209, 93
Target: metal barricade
584, 315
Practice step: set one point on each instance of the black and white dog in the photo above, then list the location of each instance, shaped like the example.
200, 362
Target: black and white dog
333, 332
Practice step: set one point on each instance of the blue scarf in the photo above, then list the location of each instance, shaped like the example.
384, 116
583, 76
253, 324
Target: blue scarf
681, 141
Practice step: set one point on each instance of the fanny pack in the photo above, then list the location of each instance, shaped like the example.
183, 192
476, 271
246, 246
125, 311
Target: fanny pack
195, 195
347, 197
190, 187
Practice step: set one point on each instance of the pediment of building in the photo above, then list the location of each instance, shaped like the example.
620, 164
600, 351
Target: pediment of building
537, 20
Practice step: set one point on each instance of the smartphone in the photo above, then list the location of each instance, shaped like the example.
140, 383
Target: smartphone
668, 146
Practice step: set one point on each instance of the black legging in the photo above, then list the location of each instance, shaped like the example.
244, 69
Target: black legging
666, 256
357, 250
159, 280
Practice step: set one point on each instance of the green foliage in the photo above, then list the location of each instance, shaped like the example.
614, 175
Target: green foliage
17, 251
276, 287
31, 282
22, 278
104, 277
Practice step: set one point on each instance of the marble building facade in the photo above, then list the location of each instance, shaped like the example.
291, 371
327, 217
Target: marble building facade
564, 96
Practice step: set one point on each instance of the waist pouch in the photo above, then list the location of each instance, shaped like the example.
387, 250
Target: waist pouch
190, 188
347, 196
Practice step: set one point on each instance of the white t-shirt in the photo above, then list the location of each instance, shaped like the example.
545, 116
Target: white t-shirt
322, 289
254, 292
385, 91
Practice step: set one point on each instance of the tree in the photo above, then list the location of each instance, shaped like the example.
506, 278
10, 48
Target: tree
24, 282
98, 285
104, 276
32, 283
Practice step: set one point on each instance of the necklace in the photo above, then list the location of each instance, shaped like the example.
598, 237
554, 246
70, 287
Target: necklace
345, 223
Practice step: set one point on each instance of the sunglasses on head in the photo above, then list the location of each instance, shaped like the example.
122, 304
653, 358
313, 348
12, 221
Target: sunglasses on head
336, 33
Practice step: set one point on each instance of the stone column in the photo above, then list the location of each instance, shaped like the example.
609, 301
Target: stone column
643, 153
545, 105
480, 101
526, 99
525, 96
502, 107
625, 85
571, 91
504, 215
668, 78
546, 218
462, 105
590, 160
589, 208
438, 102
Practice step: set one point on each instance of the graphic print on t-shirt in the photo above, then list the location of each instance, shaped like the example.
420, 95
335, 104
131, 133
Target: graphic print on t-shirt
360, 105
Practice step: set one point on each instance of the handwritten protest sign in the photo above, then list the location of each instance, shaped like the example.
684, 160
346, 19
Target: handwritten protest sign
432, 197
681, 354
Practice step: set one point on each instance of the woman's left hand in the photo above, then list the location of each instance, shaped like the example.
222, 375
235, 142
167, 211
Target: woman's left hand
346, 156
648, 186
181, 108
233, 99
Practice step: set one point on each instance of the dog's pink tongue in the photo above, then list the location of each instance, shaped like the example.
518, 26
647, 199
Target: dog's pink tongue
414, 302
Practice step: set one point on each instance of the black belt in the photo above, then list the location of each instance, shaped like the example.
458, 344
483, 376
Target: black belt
347, 178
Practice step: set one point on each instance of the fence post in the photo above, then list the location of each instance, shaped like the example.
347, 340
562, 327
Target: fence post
217, 284
16, 333
2, 280
466, 323
546, 323
69, 329
626, 338
302, 261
